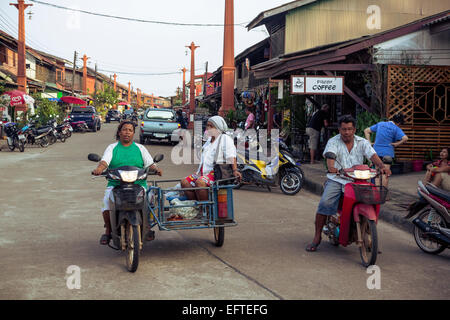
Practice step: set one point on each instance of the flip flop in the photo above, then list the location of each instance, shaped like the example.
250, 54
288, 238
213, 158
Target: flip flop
312, 247
105, 239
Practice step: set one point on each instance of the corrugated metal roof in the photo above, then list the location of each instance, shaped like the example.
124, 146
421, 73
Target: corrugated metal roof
283, 9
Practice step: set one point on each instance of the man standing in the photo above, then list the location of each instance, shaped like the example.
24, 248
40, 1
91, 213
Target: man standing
388, 136
318, 120
350, 150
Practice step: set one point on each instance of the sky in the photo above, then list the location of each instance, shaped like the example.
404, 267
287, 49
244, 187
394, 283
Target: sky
136, 47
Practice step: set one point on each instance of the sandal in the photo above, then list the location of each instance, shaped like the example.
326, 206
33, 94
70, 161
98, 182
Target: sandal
312, 247
105, 239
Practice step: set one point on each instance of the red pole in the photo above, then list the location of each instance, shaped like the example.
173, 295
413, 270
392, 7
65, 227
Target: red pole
85, 75
129, 93
184, 86
192, 86
21, 50
228, 67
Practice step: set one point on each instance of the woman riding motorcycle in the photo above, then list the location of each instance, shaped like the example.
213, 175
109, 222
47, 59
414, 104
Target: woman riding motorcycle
125, 152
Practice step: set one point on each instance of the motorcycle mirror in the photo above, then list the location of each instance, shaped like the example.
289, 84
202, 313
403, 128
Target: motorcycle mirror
330, 155
158, 158
94, 157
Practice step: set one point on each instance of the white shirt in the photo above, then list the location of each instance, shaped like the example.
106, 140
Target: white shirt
361, 148
209, 150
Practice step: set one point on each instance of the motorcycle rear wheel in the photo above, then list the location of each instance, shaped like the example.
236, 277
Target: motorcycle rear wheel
133, 243
369, 249
433, 218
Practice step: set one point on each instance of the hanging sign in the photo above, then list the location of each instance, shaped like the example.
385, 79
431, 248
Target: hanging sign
317, 85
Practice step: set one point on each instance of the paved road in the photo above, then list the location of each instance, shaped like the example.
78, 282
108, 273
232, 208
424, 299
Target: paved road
50, 220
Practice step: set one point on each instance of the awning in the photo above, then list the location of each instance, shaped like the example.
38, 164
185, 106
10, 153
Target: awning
73, 100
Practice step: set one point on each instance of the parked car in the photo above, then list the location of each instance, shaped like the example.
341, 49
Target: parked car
159, 124
87, 114
113, 115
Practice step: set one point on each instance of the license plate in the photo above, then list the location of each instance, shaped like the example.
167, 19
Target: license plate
21, 137
160, 135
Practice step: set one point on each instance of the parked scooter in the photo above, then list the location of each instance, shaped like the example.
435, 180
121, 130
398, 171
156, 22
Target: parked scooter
357, 216
15, 137
79, 126
35, 135
129, 213
432, 223
282, 170
59, 131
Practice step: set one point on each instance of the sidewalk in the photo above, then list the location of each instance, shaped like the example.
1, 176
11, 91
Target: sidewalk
402, 190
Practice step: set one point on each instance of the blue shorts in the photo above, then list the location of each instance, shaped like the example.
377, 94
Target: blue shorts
329, 202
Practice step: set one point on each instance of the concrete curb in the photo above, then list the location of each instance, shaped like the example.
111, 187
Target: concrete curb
388, 213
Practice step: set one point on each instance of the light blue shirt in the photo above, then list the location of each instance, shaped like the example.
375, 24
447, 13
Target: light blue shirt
361, 148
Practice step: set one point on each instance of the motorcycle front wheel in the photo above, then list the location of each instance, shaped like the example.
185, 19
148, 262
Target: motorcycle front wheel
52, 139
133, 244
369, 247
433, 218
291, 182
44, 142
13, 145
21, 146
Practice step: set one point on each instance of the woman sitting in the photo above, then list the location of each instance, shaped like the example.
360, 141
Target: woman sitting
215, 128
438, 172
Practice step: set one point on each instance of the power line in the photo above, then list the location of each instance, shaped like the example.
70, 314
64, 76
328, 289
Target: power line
137, 20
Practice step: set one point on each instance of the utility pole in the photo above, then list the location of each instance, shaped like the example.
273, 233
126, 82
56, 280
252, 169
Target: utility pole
21, 50
85, 58
184, 87
129, 92
192, 86
205, 80
115, 83
95, 83
228, 60
73, 72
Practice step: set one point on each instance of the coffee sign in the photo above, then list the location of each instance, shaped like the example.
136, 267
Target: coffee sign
317, 85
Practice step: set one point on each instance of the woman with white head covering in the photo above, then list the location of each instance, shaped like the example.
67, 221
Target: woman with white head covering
215, 128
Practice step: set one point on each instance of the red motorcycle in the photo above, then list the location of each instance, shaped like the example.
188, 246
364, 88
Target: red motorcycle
357, 216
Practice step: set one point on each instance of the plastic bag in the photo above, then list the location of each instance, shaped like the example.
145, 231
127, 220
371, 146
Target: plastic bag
187, 213
176, 194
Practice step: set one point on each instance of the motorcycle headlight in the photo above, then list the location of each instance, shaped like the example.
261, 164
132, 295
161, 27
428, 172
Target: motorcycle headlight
128, 176
363, 174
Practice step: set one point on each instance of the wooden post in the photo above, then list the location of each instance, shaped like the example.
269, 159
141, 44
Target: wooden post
228, 68
21, 50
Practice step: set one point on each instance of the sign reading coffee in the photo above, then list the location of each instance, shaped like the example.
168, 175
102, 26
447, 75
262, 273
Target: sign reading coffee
317, 85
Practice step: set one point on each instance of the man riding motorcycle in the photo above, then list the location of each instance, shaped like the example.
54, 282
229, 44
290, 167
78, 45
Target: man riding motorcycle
350, 150
125, 152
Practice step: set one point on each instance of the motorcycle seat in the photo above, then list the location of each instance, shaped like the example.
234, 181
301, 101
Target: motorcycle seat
43, 130
441, 193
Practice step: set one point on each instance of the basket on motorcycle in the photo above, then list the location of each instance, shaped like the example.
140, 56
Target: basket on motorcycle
129, 198
369, 194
